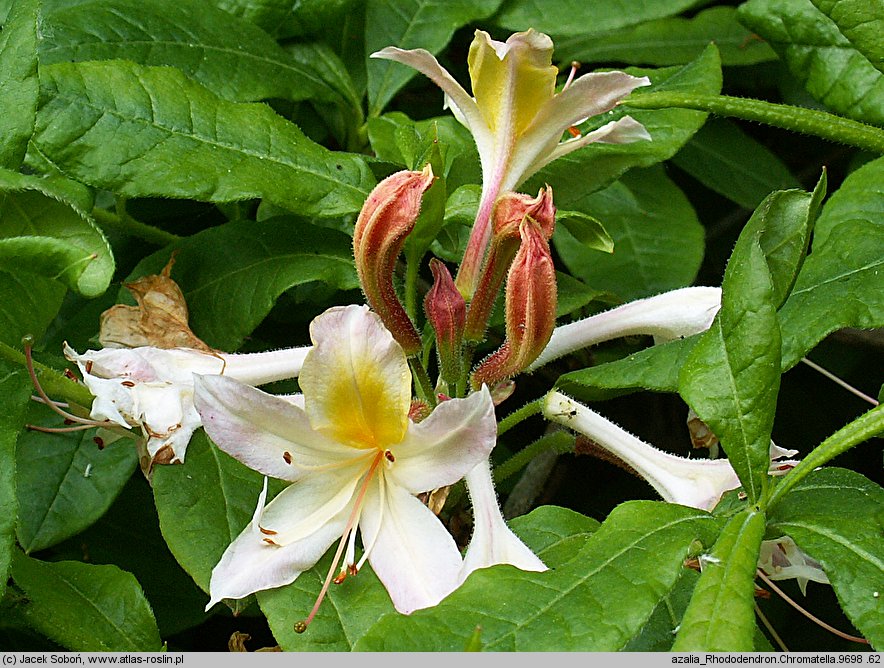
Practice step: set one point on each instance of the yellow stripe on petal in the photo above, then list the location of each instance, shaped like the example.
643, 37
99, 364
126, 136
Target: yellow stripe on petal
511, 80
356, 380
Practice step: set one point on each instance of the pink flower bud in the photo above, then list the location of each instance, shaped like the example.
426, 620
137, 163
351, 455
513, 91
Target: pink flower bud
386, 219
530, 308
446, 310
510, 210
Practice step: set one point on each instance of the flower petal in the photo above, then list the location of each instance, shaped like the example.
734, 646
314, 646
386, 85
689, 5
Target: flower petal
439, 451
412, 554
249, 564
622, 131
262, 431
667, 316
302, 508
493, 542
356, 380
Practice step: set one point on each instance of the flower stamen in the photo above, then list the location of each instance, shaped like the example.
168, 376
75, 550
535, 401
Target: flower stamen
352, 522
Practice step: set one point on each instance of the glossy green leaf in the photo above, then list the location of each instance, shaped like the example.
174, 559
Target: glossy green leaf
658, 241
837, 517
233, 58
265, 13
596, 601
151, 131
658, 634
555, 534
19, 83
730, 162
572, 294
669, 41
840, 285
720, 616
410, 24
40, 235
573, 17
65, 482
654, 368
15, 392
28, 304
85, 607
860, 197
861, 22
585, 230
575, 176
203, 505
732, 375
819, 56
251, 265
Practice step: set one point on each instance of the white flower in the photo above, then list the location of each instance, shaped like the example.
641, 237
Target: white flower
516, 117
152, 388
667, 316
782, 559
698, 483
354, 459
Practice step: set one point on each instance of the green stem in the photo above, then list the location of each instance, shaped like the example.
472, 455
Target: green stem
559, 441
133, 228
466, 365
55, 384
517, 416
866, 426
798, 119
423, 384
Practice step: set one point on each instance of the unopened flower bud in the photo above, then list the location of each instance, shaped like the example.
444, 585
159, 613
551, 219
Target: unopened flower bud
446, 310
530, 307
510, 210
386, 219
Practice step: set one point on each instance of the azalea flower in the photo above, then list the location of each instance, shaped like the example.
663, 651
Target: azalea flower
355, 461
698, 483
152, 388
517, 119
667, 316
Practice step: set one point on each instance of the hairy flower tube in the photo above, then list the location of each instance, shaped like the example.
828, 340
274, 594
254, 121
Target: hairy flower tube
152, 388
666, 316
698, 483
356, 461
529, 305
386, 219
517, 119
446, 312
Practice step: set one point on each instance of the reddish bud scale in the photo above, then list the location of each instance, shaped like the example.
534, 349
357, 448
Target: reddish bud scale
510, 211
446, 310
386, 219
531, 298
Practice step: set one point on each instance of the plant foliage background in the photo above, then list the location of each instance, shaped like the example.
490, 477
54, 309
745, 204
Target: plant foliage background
244, 138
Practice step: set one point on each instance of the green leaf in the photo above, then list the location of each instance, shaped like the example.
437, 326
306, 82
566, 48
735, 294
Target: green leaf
720, 616
837, 517
410, 24
867, 425
28, 304
840, 285
819, 56
732, 376
572, 295
85, 607
596, 601
658, 241
265, 13
40, 235
65, 482
252, 263
658, 634
150, 131
576, 175
654, 368
554, 534
585, 230
233, 58
19, 83
860, 197
861, 23
15, 392
669, 41
203, 505
572, 17
724, 159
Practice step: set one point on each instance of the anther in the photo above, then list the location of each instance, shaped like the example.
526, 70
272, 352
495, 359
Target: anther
99, 442
300, 627
339, 578
267, 532
127, 383
287, 456
389, 456
270, 541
